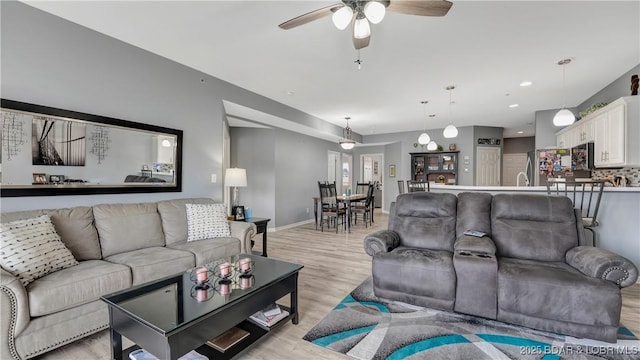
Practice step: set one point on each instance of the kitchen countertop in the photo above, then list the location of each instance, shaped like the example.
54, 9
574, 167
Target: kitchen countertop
519, 188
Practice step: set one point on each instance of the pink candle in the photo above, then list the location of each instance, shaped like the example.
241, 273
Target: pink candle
225, 288
202, 295
245, 264
245, 282
225, 269
202, 274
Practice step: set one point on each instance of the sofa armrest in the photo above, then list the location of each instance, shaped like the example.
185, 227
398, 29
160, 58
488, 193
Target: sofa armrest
381, 241
603, 264
14, 307
243, 231
475, 244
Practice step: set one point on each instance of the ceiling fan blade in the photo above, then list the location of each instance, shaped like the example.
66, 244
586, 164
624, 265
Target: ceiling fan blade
421, 8
361, 43
310, 16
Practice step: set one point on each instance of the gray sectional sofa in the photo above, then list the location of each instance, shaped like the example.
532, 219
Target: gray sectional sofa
117, 246
534, 267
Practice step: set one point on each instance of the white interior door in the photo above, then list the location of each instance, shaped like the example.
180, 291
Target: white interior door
347, 172
333, 166
514, 164
488, 166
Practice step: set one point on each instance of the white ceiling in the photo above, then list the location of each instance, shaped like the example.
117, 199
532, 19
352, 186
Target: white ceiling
483, 48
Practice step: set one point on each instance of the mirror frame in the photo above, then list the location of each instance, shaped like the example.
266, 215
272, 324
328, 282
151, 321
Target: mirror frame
39, 190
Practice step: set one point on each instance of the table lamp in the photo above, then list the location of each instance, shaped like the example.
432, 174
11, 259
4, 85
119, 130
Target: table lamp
235, 177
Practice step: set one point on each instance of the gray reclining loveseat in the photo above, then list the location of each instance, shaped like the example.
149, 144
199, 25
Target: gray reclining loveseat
534, 267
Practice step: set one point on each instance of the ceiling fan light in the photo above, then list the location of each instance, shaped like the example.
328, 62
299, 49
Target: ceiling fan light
361, 29
564, 117
342, 17
432, 145
374, 11
424, 139
450, 131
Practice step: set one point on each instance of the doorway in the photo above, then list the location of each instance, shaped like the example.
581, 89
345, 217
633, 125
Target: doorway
372, 166
514, 164
347, 172
488, 166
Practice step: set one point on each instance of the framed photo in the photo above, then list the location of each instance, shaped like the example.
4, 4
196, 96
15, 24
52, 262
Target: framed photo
56, 179
39, 178
238, 213
392, 171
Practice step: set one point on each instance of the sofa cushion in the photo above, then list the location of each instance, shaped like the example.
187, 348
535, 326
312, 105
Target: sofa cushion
74, 225
154, 263
76, 285
174, 217
536, 227
474, 212
127, 227
209, 250
425, 220
416, 276
31, 248
206, 221
556, 291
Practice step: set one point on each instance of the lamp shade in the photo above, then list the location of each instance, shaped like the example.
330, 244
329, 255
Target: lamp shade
235, 177
361, 29
347, 144
424, 139
342, 17
450, 131
564, 117
374, 11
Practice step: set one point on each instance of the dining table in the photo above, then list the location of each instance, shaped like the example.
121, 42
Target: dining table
347, 200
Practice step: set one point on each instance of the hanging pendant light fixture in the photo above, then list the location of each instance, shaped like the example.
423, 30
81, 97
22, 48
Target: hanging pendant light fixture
432, 145
450, 131
347, 142
563, 117
424, 138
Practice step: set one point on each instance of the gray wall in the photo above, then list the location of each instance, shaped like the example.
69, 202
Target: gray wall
618, 88
50, 61
519, 145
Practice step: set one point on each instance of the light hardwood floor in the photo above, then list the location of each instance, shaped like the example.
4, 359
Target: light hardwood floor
333, 266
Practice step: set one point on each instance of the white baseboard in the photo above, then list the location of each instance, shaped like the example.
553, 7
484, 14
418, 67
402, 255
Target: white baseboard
289, 226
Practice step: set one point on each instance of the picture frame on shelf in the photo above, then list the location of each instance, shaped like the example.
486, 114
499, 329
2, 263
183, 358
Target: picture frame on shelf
56, 179
39, 178
238, 213
392, 171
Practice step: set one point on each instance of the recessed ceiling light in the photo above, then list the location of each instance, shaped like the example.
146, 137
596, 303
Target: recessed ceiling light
520, 132
526, 83
291, 92
514, 105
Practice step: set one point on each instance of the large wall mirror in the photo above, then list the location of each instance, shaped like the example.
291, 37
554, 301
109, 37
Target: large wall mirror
49, 151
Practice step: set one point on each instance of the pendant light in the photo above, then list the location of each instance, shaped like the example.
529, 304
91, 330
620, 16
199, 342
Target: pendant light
450, 131
563, 117
424, 138
347, 142
432, 145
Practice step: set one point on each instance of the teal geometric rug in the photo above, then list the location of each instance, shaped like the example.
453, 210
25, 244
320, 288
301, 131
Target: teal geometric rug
363, 326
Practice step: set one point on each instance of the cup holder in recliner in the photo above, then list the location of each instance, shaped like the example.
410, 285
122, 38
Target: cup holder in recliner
464, 253
485, 256
476, 254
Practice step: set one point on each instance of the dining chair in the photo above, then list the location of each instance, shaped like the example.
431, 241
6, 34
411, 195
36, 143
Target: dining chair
331, 210
364, 208
414, 186
585, 195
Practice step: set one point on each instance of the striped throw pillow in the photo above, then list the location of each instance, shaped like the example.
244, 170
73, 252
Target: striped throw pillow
31, 249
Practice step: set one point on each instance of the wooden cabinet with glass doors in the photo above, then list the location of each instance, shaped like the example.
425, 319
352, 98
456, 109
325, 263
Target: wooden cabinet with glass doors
440, 167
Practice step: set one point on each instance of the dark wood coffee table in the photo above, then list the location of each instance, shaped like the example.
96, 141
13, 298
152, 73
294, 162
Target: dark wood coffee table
165, 317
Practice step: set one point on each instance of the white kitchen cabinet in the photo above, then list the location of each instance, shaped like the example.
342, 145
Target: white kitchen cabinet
585, 130
617, 128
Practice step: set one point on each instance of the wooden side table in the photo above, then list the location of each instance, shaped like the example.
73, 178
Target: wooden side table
261, 228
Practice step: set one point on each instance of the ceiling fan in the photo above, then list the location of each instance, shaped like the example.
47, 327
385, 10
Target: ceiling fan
359, 13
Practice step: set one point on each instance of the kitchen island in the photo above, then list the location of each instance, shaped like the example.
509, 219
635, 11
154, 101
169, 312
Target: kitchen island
619, 214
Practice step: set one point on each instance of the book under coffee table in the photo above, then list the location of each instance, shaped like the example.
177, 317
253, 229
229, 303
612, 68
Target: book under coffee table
167, 318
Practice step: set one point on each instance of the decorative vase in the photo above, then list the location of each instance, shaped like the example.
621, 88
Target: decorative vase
452, 147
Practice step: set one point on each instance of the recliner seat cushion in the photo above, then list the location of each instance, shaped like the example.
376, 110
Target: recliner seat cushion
77, 285
533, 227
416, 276
425, 220
154, 263
556, 291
